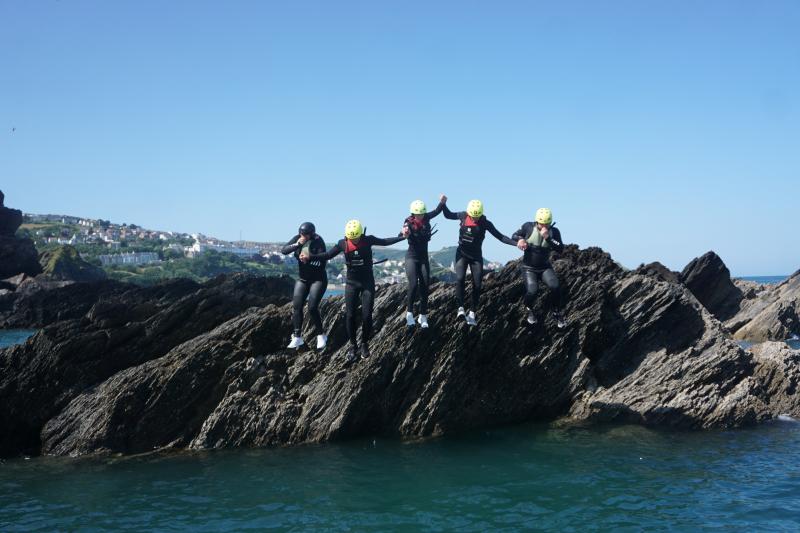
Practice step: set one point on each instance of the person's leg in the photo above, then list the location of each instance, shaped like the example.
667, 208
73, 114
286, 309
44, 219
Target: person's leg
367, 302
461, 276
531, 281
314, 298
411, 275
551, 280
424, 282
298, 301
351, 295
476, 269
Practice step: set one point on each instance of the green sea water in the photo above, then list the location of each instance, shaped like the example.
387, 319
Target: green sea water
624, 478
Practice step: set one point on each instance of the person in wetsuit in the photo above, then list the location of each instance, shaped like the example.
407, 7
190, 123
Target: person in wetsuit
311, 283
472, 230
360, 284
537, 239
418, 267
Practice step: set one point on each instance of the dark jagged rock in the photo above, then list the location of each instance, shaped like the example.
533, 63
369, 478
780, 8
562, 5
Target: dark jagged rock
133, 378
65, 264
124, 327
10, 221
659, 271
710, 281
750, 311
16, 255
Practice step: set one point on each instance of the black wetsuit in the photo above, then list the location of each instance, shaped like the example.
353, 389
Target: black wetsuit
418, 267
311, 284
536, 264
360, 283
470, 252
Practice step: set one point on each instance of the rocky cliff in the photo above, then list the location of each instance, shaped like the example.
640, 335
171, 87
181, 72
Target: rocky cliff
17, 256
204, 367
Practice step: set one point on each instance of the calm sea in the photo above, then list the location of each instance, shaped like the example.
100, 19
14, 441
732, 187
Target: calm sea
623, 478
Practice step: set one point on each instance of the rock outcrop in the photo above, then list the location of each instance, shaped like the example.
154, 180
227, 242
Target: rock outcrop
181, 373
710, 281
65, 264
772, 314
113, 326
17, 256
750, 311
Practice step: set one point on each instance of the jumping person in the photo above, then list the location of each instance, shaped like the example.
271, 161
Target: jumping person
360, 284
311, 283
537, 239
472, 230
418, 267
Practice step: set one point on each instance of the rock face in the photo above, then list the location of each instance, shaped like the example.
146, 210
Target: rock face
710, 281
116, 327
65, 264
16, 255
772, 314
750, 311
200, 371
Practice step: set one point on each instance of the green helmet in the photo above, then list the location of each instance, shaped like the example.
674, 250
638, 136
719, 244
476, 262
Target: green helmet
418, 207
475, 208
544, 216
353, 229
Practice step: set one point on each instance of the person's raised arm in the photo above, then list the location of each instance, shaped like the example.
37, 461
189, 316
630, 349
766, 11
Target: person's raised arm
439, 208
291, 246
449, 214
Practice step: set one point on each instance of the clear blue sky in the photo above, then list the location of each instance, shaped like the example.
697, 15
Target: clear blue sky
657, 130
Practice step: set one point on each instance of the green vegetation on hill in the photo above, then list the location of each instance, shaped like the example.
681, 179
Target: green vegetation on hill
65, 263
201, 268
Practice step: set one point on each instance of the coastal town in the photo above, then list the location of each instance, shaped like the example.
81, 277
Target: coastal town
125, 250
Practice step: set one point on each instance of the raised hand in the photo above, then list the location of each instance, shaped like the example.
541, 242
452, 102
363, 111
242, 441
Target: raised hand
304, 258
302, 240
544, 231
442, 199
406, 231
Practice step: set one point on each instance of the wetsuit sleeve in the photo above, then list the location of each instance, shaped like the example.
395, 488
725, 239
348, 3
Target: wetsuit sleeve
325, 256
435, 212
290, 246
321, 243
405, 225
449, 214
377, 241
555, 240
497, 235
522, 233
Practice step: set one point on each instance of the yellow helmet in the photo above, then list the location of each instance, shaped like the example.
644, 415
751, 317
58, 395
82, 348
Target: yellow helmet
475, 208
544, 216
418, 207
353, 229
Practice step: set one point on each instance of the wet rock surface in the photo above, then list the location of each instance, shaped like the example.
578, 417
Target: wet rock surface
205, 366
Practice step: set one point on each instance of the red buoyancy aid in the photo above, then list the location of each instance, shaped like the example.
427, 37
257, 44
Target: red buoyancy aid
351, 246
